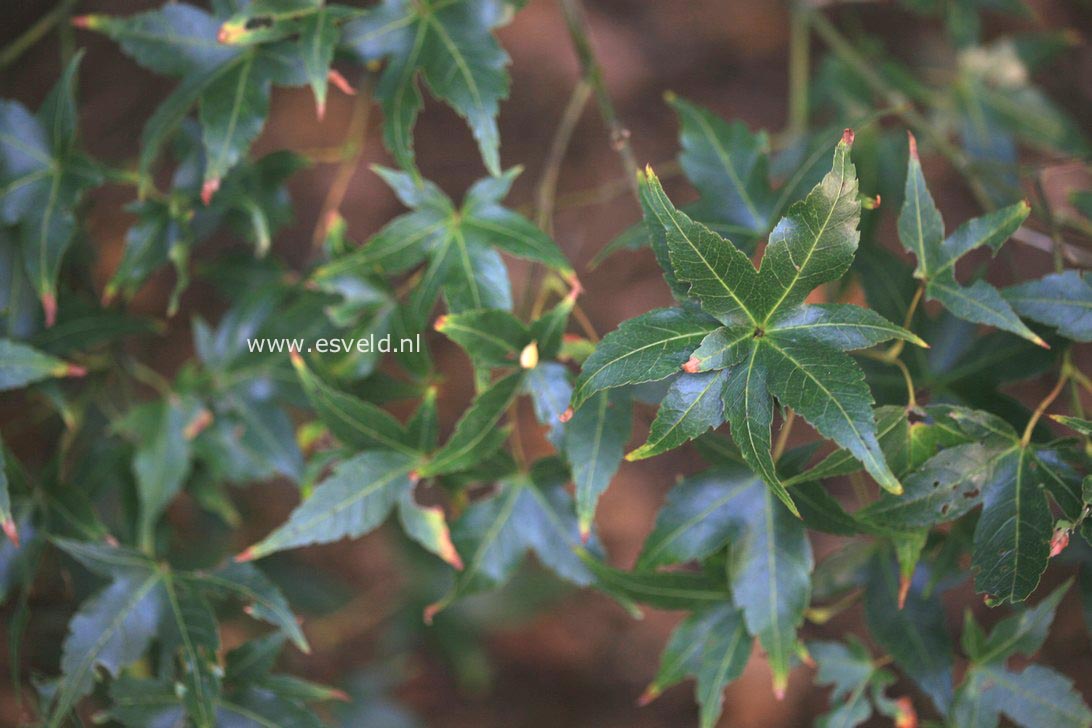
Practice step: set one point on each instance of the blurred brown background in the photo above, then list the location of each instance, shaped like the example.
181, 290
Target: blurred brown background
583, 661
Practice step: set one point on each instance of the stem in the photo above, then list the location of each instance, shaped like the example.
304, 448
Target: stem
893, 353
351, 149
783, 436
577, 22
35, 33
1047, 401
799, 70
905, 110
546, 190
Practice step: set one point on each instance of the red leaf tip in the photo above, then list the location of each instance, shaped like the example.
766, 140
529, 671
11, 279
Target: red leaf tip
1059, 542
440, 322
904, 589
692, 365
847, 137
341, 695
209, 189
74, 370
198, 424
83, 22
906, 717
248, 555
650, 694
11, 531
431, 611
566, 415
913, 144
49, 306
340, 83
295, 356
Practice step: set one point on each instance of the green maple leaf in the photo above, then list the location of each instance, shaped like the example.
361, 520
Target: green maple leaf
229, 84
772, 343
770, 557
42, 180
921, 231
1062, 300
450, 44
711, 645
457, 242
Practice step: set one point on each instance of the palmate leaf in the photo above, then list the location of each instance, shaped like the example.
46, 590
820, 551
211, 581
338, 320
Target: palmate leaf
921, 231
450, 44
910, 626
1062, 300
21, 364
42, 180
458, 243
163, 431
593, 444
354, 500
770, 556
529, 512
144, 601
230, 84
1034, 697
856, 680
771, 343
315, 25
711, 645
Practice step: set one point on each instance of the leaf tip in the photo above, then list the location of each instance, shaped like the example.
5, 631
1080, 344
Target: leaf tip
585, 530
249, 555
913, 145
340, 83
86, 22
780, 685
904, 589
340, 695
431, 611
528, 357
440, 323
11, 531
230, 33
74, 370
847, 137
1059, 541
692, 365
296, 358
198, 424
651, 693
905, 715
1038, 341
208, 189
566, 415
670, 96
49, 307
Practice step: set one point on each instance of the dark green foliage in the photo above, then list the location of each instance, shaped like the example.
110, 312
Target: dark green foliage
958, 483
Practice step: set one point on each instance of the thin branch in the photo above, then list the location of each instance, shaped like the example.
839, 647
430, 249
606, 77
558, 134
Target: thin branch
35, 33
351, 150
1047, 401
799, 70
577, 22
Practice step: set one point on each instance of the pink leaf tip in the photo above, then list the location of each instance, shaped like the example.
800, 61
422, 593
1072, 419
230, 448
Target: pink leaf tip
847, 137
913, 144
692, 365
340, 83
1059, 542
49, 306
650, 694
248, 555
209, 189
11, 531
566, 415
